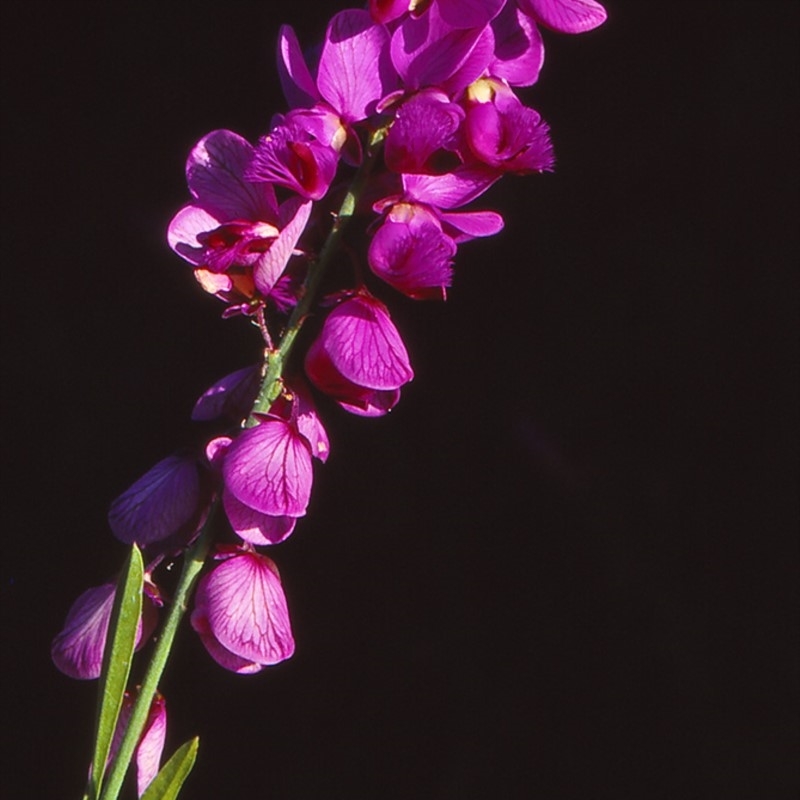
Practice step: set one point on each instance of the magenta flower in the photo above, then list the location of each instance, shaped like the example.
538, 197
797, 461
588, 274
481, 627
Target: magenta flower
241, 615
77, 650
151, 742
167, 501
411, 252
291, 155
359, 358
235, 234
267, 469
503, 133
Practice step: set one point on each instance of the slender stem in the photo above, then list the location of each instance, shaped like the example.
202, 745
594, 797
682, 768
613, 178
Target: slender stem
270, 389
276, 359
192, 565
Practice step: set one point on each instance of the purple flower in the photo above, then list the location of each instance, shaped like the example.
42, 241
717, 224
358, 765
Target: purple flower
151, 742
235, 234
359, 358
241, 615
503, 133
565, 16
77, 650
166, 501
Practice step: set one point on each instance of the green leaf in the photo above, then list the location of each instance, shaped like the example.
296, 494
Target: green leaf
117, 657
168, 782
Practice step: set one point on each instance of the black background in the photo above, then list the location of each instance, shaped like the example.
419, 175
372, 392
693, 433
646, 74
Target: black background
562, 567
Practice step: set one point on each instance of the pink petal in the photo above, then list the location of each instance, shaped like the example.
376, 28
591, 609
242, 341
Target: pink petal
456, 188
245, 606
268, 468
518, 49
309, 424
252, 525
184, 229
223, 657
565, 16
469, 13
472, 224
151, 745
272, 263
362, 342
157, 505
215, 174
298, 85
354, 72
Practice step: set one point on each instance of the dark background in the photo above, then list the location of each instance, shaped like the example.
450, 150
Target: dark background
562, 567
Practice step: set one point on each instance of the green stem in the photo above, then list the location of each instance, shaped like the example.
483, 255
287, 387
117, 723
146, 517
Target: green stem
268, 392
276, 359
192, 565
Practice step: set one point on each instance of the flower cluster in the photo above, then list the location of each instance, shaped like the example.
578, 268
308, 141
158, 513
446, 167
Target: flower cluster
415, 105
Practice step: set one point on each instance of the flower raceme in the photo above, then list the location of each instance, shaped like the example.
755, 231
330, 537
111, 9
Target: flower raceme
436, 81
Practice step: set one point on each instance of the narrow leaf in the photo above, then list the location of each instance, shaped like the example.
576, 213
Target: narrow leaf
168, 782
117, 658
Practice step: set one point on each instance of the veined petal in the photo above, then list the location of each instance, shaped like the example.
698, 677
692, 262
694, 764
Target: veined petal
215, 174
272, 263
363, 344
245, 606
565, 16
354, 70
298, 86
151, 745
472, 224
268, 468
456, 188
223, 657
157, 505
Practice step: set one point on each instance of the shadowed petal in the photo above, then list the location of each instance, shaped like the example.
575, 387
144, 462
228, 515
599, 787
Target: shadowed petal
215, 174
456, 188
184, 229
231, 396
518, 48
157, 505
298, 86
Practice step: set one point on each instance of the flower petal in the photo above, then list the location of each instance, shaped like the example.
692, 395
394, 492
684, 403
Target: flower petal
268, 468
157, 505
272, 262
254, 526
298, 85
565, 16
231, 396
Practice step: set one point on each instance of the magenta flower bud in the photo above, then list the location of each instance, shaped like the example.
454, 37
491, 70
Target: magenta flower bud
359, 358
241, 615
78, 649
565, 16
165, 501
